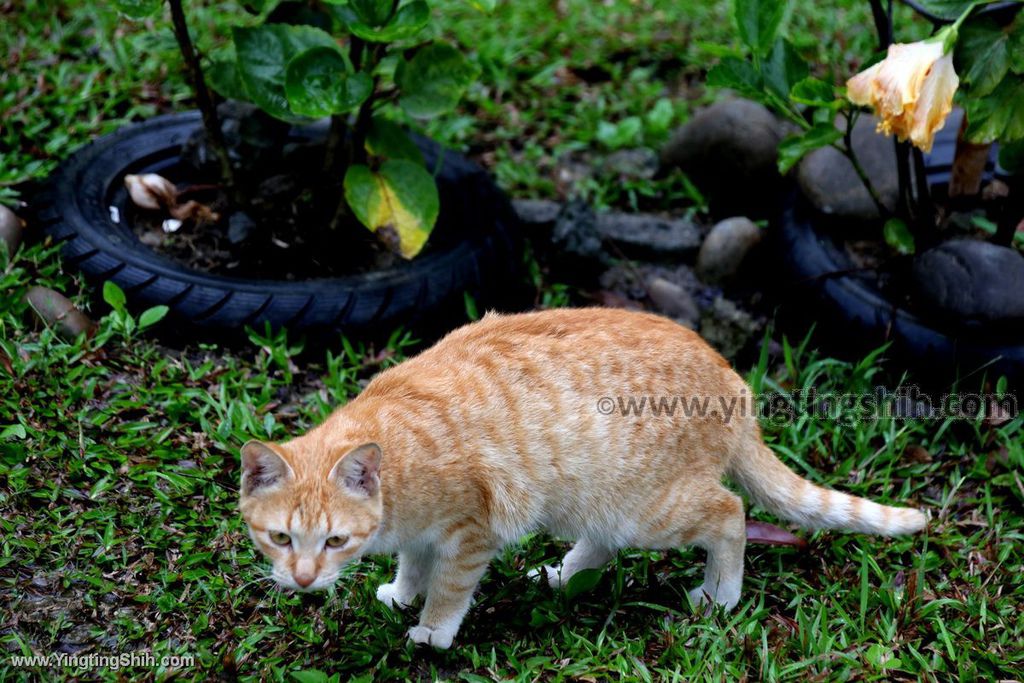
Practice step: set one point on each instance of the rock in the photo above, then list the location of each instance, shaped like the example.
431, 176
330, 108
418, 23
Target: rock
729, 150
672, 290
240, 227
673, 301
829, 181
55, 309
649, 236
575, 233
727, 327
641, 162
971, 281
724, 249
12, 229
537, 213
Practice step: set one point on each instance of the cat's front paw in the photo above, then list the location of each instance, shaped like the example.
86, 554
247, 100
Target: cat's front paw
393, 597
437, 637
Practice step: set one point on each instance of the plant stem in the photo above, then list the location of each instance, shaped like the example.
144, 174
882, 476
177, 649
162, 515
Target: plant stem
883, 22
203, 98
851, 154
904, 206
335, 138
355, 142
924, 206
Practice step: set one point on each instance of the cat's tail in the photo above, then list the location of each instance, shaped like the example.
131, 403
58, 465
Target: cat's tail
781, 491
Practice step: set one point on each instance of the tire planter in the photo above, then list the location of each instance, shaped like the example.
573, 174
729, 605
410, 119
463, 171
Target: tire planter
855, 315
79, 201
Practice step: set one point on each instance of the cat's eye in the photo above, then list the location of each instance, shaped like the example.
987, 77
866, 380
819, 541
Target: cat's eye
280, 538
336, 541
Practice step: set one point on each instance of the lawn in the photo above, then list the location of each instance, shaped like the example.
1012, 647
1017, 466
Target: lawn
119, 456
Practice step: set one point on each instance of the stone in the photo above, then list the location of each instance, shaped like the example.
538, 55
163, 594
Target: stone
829, 181
575, 233
729, 150
540, 214
240, 227
724, 249
649, 236
673, 301
12, 229
727, 327
641, 162
971, 281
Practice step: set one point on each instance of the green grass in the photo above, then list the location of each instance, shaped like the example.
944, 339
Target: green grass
118, 523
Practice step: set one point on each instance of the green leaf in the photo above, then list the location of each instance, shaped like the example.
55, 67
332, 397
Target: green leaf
319, 83
793, 148
407, 22
1011, 157
1017, 47
15, 431
263, 53
758, 22
138, 9
581, 582
739, 75
372, 12
946, 9
309, 676
814, 92
151, 316
484, 5
399, 203
222, 75
433, 81
661, 115
621, 134
982, 55
898, 236
783, 68
998, 115
387, 140
113, 295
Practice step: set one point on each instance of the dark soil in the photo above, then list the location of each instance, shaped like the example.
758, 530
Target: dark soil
275, 223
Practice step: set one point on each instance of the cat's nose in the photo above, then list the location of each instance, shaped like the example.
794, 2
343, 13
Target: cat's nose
304, 580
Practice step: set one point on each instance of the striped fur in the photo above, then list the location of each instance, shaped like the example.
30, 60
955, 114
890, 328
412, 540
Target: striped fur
496, 432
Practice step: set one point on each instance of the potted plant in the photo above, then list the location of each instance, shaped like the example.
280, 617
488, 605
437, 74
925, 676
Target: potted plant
297, 201
935, 268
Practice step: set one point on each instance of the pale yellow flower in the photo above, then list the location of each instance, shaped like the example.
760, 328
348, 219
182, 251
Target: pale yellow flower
911, 91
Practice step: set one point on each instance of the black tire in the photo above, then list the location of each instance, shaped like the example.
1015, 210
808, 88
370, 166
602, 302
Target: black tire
855, 315
425, 294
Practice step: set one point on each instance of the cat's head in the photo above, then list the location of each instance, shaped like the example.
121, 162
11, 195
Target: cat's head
310, 515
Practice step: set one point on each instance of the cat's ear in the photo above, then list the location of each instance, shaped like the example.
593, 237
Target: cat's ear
359, 470
262, 468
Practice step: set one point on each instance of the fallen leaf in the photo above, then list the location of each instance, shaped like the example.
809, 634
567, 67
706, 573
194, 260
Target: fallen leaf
764, 533
151, 191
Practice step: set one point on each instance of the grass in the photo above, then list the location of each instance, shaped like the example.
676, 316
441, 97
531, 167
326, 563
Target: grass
118, 523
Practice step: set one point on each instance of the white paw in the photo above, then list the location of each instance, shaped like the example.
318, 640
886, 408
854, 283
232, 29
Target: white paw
552, 575
439, 638
701, 595
390, 595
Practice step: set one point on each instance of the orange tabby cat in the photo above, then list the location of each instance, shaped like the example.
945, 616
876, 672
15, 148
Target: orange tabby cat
497, 431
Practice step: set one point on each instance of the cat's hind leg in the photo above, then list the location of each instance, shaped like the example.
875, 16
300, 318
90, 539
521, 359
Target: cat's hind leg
414, 567
585, 554
711, 519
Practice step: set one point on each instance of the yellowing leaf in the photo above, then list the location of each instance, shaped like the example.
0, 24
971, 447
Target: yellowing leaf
398, 202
